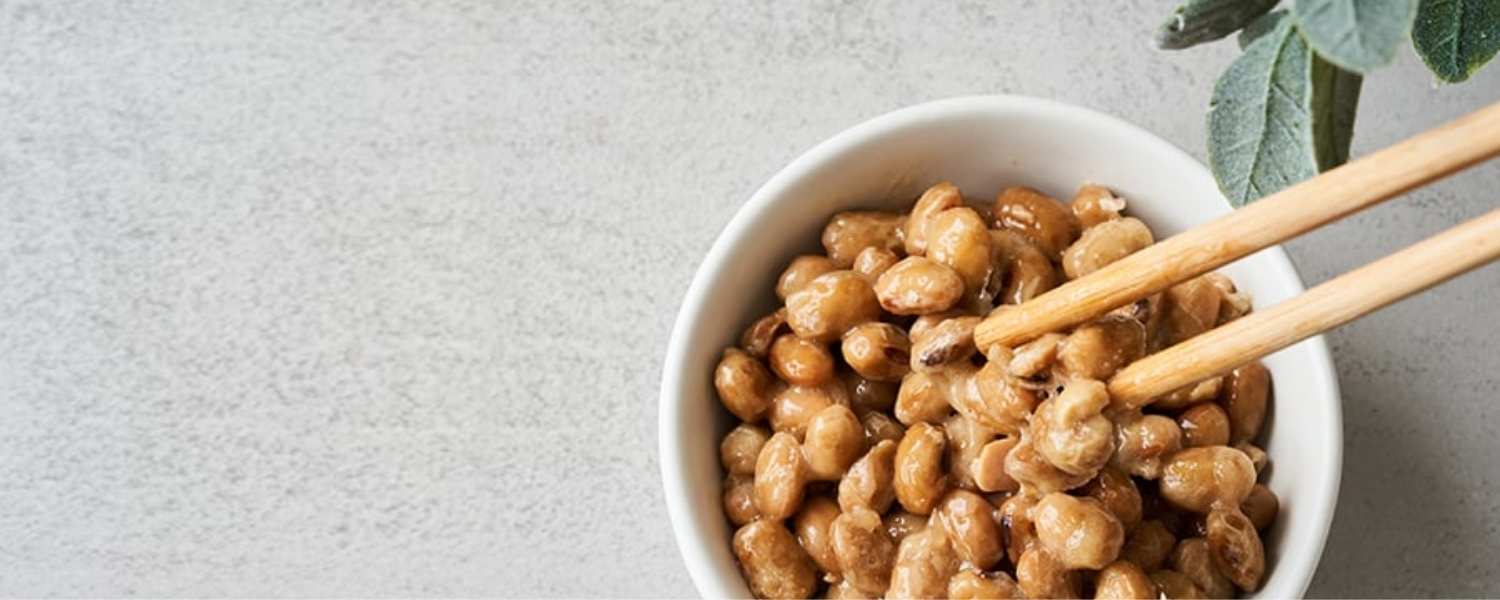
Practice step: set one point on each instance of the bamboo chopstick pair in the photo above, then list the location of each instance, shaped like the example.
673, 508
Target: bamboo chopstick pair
1286, 214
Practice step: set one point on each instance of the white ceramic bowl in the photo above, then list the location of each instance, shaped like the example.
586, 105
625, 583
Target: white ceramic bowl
982, 144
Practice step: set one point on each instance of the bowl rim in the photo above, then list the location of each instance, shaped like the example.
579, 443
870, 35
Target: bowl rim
693, 546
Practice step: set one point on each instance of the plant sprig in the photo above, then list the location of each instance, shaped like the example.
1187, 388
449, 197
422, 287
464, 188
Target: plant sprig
1284, 109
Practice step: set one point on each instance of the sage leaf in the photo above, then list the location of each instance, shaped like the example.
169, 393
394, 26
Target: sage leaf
1358, 35
1279, 114
1457, 37
1259, 129
1335, 98
1197, 21
1261, 26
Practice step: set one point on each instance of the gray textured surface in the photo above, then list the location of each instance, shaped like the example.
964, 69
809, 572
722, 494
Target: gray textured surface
344, 299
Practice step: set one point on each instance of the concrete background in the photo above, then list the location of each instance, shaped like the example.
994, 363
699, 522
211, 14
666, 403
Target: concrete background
370, 299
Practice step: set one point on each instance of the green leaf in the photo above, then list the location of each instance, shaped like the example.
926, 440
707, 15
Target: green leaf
1261, 26
1335, 97
1457, 37
1358, 35
1197, 21
1259, 129
1279, 114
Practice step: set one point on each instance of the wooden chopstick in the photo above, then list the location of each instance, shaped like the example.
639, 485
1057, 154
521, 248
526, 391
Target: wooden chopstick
1324, 307
1286, 214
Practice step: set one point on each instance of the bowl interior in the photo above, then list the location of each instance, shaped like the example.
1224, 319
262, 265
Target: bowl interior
983, 145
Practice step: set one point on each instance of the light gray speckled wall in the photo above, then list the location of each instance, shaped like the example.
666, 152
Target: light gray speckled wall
358, 299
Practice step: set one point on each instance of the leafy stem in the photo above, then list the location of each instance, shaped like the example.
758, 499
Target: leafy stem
1284, 109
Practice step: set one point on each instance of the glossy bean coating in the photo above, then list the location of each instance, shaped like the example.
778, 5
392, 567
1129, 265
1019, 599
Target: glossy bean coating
744, 384
878, 351
920, 479
1035, 356
1204, 424
741, 446
965, 439
780, 477
873, 261
1236, 548
1038, 217
830, 304
927, 397
739, 499
879, 427
1192, 308
758, 337
868, 395
1103, 244
1095, 204
1142, 443
1027, 466
848, 233
865, 552
936, 199
773, 564
918, 286
870, 481
999, 400
1042, 576
1258, 457
1017, 530
1245, 396
835, 439
1141, 310
1149, 545
988, 467
950, 341
924, 563
899, 524
1028, 271
1079, 532
1122, 580
801, 271
970, 524
978, 585
1096, 350
1195, 479
1175, 586
1192, 557
813, 526
1070, 430
957, 237
1233, 303
925, 323
801, 362
1190, 394
1117, 493
1261, 507
1152, 311
794, 407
